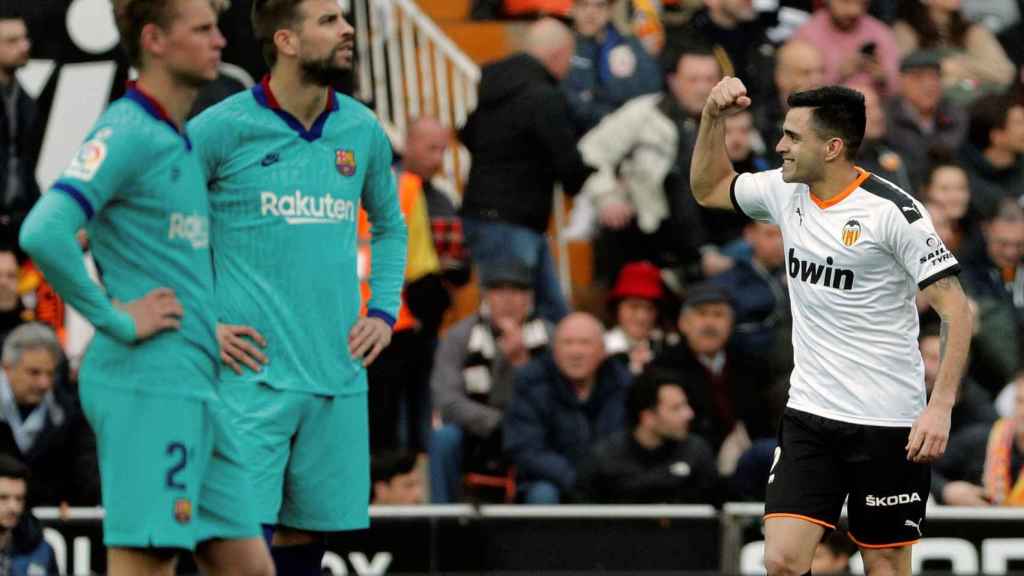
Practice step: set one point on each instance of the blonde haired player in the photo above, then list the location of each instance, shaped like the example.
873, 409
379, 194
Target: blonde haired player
169, 463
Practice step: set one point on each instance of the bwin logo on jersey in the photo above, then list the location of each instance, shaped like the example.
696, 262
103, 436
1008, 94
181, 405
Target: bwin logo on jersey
299, 208
193, 228
813, 273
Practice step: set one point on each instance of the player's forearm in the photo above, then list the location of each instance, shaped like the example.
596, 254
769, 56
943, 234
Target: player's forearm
710, 164
955, 343
388, 252
48, 236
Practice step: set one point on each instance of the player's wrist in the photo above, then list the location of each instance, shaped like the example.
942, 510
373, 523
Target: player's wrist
944, 401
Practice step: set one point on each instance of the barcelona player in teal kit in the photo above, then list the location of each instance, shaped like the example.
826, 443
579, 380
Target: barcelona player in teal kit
289, 164
170, 466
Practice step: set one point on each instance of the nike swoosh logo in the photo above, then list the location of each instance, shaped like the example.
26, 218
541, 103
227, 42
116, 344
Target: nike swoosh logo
270, 159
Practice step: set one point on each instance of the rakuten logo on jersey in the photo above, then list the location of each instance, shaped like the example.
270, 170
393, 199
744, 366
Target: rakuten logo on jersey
894, 500
193, 228
299, 208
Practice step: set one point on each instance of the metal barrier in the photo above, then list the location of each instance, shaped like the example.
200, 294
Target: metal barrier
454, 539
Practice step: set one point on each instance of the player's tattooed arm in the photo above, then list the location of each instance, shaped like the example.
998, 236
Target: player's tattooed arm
930, 432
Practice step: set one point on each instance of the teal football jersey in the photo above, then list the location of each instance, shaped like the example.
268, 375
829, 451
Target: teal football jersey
284, 205
143, 191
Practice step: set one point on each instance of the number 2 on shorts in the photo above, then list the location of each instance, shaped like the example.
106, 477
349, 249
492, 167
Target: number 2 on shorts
178, 452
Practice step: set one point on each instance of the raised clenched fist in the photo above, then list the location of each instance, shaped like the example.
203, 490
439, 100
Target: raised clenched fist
728, 97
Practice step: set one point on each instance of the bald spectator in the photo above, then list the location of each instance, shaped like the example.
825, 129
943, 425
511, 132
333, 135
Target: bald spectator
609, 67
875, 155
522, 142
563, 404
423, 156
856, 46
798, 66
920, 118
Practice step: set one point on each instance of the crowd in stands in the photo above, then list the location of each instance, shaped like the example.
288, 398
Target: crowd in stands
669, 390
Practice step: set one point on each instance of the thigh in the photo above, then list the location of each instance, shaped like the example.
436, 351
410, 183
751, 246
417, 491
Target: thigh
889, 493
805, 481
227, 507
327, 485
152, 455
262, 421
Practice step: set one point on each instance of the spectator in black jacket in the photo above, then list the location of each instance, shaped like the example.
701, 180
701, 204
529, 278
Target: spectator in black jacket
728, 389
563, 404
522, 142
23, 551
656, 460
43, 427
17, 120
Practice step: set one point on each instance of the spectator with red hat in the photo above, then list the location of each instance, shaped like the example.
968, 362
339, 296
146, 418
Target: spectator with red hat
636, 337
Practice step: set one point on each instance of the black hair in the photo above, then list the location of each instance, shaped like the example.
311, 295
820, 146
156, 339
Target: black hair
678, 46
643, 393
837, 112
989, 113
11, 467
915, 14
386, 465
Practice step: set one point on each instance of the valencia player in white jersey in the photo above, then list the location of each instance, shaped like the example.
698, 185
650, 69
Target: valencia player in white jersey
858, 250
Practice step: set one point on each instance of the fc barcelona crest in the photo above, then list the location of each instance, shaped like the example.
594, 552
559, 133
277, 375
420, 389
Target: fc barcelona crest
346, 162
851, 232
183, 510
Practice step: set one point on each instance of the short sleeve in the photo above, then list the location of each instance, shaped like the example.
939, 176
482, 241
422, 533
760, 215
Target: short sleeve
918, 247
756, 194
107, 160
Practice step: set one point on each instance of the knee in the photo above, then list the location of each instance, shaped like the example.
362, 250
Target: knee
263, 566
779, 561
885, 562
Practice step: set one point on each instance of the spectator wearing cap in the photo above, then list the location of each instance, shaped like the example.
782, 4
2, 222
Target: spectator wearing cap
609, 67
473, 377
636, 337
920, 117
760, 299
656, 460
727, 387
564, 403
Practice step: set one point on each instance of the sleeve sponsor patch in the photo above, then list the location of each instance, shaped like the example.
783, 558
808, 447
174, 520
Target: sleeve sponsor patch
88, 161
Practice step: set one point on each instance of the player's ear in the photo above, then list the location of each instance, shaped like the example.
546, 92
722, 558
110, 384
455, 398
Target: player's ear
152, 39
834, 148
287, 42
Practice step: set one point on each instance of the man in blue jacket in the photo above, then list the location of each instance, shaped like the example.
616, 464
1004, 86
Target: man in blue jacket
608, 68
22, 548
564, 403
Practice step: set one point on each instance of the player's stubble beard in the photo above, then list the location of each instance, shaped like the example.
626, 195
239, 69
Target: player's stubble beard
324, 71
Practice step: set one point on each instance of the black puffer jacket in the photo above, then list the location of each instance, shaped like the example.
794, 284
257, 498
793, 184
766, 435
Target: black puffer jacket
522, 142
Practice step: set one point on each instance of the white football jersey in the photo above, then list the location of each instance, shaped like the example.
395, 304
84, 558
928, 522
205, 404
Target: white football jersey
855, 264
